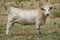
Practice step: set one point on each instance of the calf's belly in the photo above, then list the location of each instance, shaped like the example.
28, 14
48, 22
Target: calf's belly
26, 21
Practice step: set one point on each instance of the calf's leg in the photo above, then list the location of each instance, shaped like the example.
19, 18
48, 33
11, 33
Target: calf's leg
38, 27
9, 27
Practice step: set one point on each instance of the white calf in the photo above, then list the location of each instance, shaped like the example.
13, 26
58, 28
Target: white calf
25, 17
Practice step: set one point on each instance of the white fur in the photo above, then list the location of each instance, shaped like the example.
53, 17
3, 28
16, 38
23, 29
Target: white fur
25, 17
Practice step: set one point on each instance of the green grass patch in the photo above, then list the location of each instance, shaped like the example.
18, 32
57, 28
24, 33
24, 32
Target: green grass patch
2, 28
55, 13
3, 14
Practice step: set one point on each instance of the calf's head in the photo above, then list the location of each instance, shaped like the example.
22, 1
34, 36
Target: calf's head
46, 9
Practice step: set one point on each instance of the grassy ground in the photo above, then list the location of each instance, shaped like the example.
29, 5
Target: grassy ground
29, 32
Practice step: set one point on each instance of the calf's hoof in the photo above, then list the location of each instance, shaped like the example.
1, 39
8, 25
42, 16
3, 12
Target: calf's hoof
39, 34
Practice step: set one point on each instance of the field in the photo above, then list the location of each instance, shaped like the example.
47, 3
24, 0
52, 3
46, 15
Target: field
50, 31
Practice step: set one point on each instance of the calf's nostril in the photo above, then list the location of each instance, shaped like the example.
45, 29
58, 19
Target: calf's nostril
47, 14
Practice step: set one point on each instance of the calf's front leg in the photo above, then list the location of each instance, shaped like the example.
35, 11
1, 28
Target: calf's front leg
38, 26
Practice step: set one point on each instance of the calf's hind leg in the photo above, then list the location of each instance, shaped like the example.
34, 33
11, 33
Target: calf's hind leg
9, 29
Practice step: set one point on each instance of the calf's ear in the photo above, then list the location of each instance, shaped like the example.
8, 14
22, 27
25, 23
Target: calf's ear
42, 8
51, 7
